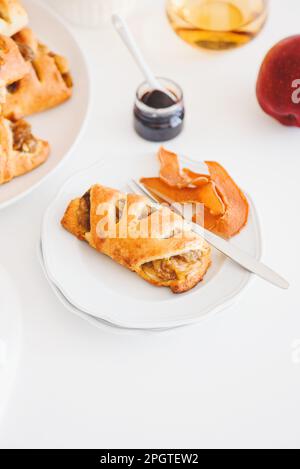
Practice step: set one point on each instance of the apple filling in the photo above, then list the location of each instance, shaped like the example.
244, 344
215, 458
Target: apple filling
23, 140
174, 268
26, 51
83, 213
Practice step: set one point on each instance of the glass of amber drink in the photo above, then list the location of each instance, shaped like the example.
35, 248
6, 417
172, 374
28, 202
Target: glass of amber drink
217, 24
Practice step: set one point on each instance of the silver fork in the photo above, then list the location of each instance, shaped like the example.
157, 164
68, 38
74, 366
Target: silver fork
234, 253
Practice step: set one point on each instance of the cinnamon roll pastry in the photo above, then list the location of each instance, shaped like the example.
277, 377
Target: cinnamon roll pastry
167, 253
47, 84
13, 17
20, 151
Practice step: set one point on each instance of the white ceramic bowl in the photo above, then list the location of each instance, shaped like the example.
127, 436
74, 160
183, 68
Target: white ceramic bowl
92, 13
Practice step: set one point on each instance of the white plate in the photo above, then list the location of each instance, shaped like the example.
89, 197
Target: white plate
10, 336
63, 125
100, 287
96, 322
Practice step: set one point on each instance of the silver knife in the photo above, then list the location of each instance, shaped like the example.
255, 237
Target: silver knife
234, 253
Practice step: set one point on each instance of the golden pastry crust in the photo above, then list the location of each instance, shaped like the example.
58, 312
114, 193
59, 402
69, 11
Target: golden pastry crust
13, 17
170, 255
20, 151
47, 84
13, 67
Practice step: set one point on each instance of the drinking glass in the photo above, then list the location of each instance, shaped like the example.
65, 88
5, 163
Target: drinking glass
217, 24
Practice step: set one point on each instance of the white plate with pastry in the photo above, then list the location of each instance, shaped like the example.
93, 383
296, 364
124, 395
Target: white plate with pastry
129, 295
92, 320
51, 88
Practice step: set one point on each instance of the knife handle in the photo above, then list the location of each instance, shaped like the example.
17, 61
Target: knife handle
245, 260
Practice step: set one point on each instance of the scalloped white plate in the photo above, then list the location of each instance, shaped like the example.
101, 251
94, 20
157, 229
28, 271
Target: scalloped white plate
92, 320
98, 286
63, 125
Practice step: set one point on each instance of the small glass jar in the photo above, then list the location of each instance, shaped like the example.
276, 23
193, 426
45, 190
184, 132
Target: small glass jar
159, 124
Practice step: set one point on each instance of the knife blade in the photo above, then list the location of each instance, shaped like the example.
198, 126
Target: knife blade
234, 253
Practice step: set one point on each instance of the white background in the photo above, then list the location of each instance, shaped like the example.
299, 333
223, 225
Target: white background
233, 381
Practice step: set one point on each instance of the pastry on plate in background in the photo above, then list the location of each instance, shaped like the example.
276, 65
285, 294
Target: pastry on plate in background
20, 150
47, 84
13, 17
12, 65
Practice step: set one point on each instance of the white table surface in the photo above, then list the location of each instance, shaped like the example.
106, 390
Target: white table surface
233, 381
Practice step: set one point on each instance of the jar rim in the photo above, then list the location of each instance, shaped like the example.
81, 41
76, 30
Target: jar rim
161, 111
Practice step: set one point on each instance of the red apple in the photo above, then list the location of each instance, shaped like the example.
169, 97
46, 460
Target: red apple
278, 84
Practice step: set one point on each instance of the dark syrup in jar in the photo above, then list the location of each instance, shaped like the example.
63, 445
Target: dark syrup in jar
158, 116
158, 99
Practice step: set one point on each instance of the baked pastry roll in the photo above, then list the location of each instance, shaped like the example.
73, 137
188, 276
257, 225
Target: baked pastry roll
47, 84
155, 243
20, 151
12, 65
13, 17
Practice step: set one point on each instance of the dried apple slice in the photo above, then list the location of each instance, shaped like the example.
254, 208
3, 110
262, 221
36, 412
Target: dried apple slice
212, 199
237, 206
206, 219
196, 179
170, 171
206, 194
226, 208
